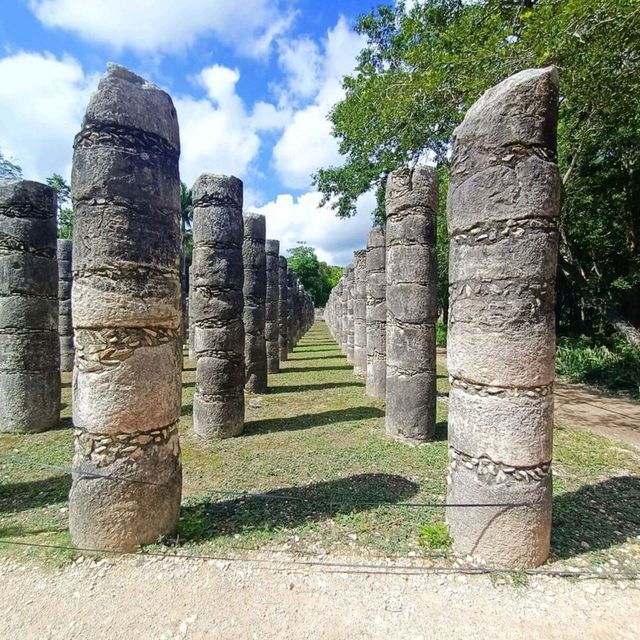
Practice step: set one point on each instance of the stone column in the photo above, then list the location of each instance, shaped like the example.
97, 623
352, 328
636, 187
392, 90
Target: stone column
376, 316
29, 344
360, 314
412, 208
350, 319
344, 333
272, 328
65, 322
192, 330
503, 210
126, 316
217, 306
282, 309
255, 291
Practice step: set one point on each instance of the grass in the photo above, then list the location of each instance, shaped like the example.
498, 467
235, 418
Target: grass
317, 440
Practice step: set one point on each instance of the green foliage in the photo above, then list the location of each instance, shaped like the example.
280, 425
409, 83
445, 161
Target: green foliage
441, 334
317, 277
421, 70
9, 169
435, 535
615, 367
65, 212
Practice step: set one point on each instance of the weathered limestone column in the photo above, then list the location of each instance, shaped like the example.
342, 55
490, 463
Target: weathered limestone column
65, 322
350, 316
29, 344
344, 333
126, 316
376, 316
217, 306
282, 309
360, 314
412, 207
290, 310
255, 291
336, 311
503, 207
272, 327
192, 330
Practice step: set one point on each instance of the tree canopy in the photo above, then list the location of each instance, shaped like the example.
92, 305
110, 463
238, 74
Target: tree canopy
317, 277
422, 69
9, 169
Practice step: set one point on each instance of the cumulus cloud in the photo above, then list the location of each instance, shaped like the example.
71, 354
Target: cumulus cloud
148, 26
306, 143
292, 220
42, 101
218, 133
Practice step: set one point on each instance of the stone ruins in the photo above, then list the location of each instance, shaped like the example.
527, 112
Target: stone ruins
65, 322
255, 292
360, 313
412, 208
217, 306
376, 316
111, 307
503, 209
126, 316
283, 310
272, 327
29, 344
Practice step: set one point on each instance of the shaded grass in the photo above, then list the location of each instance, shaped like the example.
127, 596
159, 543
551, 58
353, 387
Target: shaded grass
318, 441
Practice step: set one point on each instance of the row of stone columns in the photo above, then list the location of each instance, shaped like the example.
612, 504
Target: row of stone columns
503, 209
383, 310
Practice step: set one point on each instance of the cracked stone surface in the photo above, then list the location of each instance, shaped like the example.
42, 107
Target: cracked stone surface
412, 206
126, 311
503, 209
217, 306
29, 342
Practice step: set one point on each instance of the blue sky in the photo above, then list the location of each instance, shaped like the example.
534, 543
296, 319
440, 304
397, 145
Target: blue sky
252, 81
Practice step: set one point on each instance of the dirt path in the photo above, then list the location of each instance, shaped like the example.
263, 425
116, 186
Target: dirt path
591, 410
171, 599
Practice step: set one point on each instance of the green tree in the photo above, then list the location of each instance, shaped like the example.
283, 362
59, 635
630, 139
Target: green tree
421, 70
65, 211
317, 277
9, 169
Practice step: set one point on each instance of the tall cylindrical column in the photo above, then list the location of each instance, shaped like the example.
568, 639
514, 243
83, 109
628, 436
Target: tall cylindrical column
65, 322
272, 327
192, 329
283, 309
350, 317
217, 306
503, 209
29, 346
255, 292
412, 207
376, 316
290, 310
360, 313
126, 316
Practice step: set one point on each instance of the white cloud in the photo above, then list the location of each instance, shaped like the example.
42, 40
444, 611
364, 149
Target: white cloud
148, 26
292, 220
306, 143
217, 133
303, 65
42, 101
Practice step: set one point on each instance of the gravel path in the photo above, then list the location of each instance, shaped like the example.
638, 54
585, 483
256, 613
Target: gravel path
183, 598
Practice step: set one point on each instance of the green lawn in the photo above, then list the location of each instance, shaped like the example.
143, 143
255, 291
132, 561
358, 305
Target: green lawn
316, 439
